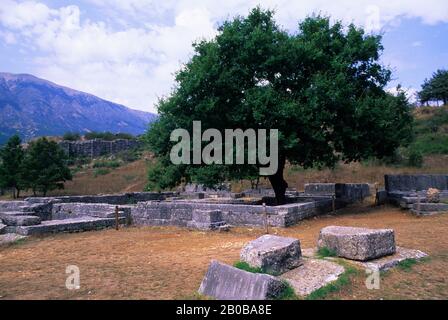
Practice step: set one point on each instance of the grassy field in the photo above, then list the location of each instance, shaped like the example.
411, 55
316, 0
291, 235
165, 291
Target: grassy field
170, 262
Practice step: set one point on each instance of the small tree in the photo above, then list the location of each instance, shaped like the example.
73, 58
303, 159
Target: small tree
11, 158
45, 167
436, 88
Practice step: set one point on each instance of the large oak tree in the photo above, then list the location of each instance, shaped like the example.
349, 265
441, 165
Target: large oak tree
322, 87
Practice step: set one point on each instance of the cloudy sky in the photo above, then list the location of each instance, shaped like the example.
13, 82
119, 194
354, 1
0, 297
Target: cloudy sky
126, 51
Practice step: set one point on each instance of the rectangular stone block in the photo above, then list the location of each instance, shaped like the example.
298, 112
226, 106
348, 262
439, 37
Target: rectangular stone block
357, 243
224, 282
20, 220
273, 254
320, 188
351, 192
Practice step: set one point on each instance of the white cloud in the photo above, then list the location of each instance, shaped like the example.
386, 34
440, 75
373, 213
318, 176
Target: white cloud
130, 53
417, 44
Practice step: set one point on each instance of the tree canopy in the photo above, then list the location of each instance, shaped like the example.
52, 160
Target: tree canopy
44, 166
436, 88
11, 158
321, 87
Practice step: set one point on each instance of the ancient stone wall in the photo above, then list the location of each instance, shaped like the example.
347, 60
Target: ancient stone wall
179, 213
117, 199
416, 182
61, 211
97, 147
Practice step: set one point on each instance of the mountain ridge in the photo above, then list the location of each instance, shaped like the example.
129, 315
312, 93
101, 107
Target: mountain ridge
32, 107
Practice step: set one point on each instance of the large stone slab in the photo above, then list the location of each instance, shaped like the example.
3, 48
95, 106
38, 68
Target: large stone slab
273, 254
225, 282
351, 192
429, 208
320, 188
388, 262
313, 274
10, 238
69, 225
14, 220
357, 243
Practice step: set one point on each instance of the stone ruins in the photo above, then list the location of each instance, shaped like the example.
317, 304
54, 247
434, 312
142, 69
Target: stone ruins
282, 263
281, 260
97, 147
423, 194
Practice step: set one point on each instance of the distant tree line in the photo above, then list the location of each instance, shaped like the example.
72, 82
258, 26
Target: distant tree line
107, 135
435, 89
41, 167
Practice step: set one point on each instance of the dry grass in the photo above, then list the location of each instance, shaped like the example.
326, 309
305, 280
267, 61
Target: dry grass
127, 178
169, 262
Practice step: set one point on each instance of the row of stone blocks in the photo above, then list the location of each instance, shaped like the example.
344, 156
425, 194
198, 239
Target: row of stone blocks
429, 208
277, 255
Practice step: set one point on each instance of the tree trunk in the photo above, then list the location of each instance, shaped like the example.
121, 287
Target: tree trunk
17, 192
278, 182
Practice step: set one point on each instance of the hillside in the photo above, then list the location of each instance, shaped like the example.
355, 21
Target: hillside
35, 107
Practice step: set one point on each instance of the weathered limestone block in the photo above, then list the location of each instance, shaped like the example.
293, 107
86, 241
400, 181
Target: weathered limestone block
429, 208
206, 220
228, 283
351, 192
357, 243
273, 254
21, 220
320, 188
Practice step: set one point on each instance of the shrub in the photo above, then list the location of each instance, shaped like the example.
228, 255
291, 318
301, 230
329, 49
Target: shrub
106, 164
109, 136
100, 172
71, 136
415, 158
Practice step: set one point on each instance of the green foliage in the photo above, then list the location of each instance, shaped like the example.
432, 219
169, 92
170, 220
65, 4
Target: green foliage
436, 88
11, 165
106, 164
326, 252
109, 136
431, 143
415, 158
246, 267
163, 176
45, 166
322, 87
100, 172
407, 264
129, 155
335, 286
288, 293
71, 136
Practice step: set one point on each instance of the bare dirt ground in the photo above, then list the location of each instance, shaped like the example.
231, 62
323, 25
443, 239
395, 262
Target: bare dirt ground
169, 262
